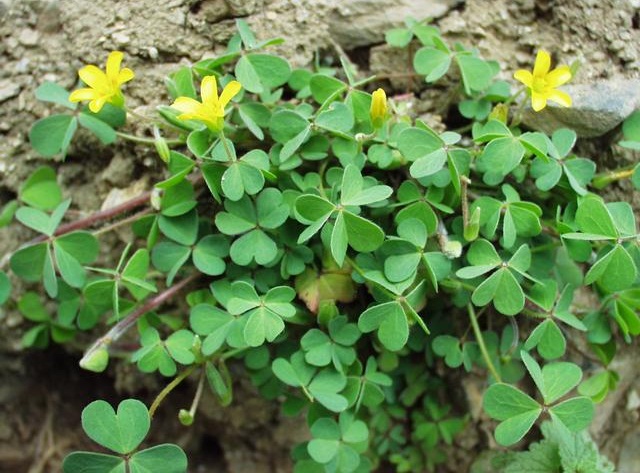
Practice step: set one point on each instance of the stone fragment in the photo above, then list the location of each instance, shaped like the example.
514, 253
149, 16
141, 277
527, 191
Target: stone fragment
629, 458
597, 108
8, 89
29, 37
363, 22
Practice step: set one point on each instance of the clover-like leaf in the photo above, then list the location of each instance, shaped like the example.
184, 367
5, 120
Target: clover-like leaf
121, 432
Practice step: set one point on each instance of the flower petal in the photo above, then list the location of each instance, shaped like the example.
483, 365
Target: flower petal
524, 76
113, 65
560, 75
538, 101
96, 105
378, 109
543, 63
560, 97
94, 78
230, 90
125, 75
188, 105
209, 91
83, 94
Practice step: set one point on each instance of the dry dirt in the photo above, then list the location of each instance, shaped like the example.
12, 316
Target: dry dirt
41, 394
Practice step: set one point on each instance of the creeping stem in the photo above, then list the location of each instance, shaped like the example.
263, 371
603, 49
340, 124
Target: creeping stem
170, 387
481, 345
123, 325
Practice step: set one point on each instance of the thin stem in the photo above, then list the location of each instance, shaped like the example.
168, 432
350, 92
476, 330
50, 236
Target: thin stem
603, 179
151, 141
196, 398
416, 317
123, 325
122, 222
232, 353
227, 150
170, 387
481, 344
464, 202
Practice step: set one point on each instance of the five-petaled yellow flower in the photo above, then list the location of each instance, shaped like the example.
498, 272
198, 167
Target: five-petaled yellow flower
211, 110
542, 83
378, 109
103, 87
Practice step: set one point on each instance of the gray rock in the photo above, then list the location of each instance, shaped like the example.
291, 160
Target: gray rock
29, 37
597, 108
8, 89
364, 22
629, 459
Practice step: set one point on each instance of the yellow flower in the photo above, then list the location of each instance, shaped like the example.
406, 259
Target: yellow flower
378, 109
543, 83
103, 87
211, 110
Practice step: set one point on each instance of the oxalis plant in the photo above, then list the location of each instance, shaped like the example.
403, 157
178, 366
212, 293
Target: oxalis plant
356, 260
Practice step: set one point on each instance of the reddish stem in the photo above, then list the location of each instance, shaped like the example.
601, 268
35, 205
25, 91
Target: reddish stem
123, 325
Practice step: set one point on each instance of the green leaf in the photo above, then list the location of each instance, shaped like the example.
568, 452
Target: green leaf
559, 378
262, 325
398, 37
390, 322
575, 413
240, 178
294, 373
593, 217
337, 117
215, 324
614, 271
325, 388
579, 172
432, 63
32, 309
169, 257
164, 458
312, 207
503, 289
5, 287
364, 235
90, 462
208, 254
255, 245
70, 269
285, 125
548, 339
339, 240
41, 190
28, 263
323, 87
35, 219
83, 246
515, 409
476, 73
7, 212
51, 135
255, 116
179, 345
182, 229
499, 158
180, 83
121, 432
449, 348
104, 132
262, 72
429, 164
416, 143
52, 92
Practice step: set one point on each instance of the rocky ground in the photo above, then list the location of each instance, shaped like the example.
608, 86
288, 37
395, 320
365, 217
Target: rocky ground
50, 39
